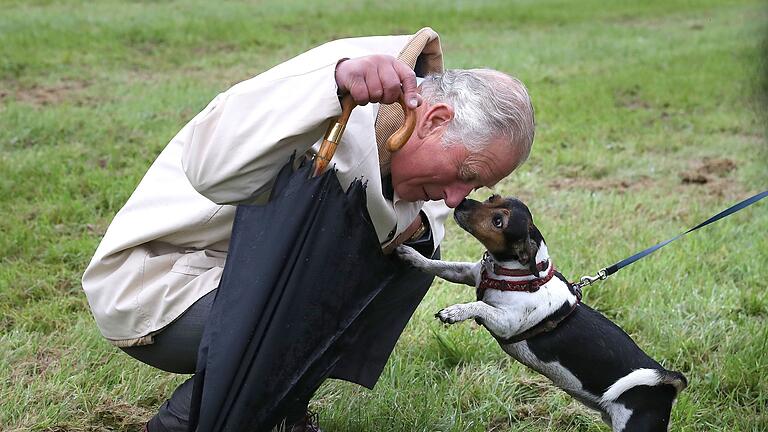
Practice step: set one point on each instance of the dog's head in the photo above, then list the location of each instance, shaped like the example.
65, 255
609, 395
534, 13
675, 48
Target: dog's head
504, 226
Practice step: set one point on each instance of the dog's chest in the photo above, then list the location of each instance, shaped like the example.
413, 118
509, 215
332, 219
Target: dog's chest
523, 310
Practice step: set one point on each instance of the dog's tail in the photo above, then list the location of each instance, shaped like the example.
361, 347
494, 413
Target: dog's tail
675, 379
647, 377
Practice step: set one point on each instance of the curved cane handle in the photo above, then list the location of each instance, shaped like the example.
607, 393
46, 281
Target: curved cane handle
336, 129
398, 139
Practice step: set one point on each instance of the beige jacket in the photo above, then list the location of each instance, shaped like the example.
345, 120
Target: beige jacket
167, 246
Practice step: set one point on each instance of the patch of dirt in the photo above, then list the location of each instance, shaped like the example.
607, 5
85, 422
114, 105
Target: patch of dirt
116, 416
617, 185
530, 410
39, 95
708, 170
712, 174
656, 24
630, 99
220, 48
35, 368
46, 359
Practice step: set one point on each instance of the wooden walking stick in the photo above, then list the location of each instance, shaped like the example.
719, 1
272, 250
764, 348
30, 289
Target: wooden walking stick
336, 130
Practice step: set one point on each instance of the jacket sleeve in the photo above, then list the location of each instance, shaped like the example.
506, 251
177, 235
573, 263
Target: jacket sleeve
234, 148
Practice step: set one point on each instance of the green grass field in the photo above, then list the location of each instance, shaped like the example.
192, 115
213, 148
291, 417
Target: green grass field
650, 119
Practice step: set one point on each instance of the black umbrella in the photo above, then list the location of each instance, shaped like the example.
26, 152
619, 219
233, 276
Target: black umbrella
291, 296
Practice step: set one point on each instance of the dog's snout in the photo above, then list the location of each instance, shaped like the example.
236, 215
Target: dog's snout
466, 204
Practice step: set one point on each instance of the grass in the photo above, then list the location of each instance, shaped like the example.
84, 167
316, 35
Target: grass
650, 119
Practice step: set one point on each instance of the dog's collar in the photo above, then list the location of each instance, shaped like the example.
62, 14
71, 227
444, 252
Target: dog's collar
494, 276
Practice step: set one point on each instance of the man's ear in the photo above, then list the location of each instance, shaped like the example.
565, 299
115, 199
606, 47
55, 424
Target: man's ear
436, 117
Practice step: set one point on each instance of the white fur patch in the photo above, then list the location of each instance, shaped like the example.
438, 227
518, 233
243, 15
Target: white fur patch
637, 377
619, 415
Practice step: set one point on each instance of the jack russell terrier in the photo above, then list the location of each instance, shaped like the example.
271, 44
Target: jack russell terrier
538, 318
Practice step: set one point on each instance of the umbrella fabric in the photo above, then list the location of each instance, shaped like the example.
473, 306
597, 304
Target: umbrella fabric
300, 275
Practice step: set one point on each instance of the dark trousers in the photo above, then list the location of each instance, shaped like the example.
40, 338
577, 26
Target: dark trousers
175, 347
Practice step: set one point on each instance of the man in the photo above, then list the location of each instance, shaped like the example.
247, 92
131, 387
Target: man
150, 283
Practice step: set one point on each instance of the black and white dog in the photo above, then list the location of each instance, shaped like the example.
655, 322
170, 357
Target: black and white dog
538, 318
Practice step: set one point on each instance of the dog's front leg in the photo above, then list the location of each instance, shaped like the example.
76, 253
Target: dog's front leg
457, 272
494, 319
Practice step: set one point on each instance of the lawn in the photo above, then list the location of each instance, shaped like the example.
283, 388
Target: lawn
650, 118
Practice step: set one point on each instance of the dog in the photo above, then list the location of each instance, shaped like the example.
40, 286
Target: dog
538, 318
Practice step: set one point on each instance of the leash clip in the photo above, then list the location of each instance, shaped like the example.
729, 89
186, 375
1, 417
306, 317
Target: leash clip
589, 280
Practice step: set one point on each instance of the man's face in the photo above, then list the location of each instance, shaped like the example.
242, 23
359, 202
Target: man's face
425, 170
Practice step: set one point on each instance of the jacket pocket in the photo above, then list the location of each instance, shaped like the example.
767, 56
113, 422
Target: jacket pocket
197, 262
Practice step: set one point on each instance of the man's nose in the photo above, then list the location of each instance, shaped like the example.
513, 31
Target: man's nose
455, 194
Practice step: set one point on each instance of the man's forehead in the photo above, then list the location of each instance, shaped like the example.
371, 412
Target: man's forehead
493, 163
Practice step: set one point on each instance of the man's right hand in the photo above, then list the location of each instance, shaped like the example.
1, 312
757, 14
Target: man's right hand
377, 78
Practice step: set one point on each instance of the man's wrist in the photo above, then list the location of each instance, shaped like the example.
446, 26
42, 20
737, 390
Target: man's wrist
339, 91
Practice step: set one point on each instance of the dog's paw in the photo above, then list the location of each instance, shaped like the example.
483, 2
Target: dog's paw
452, 314
410, 256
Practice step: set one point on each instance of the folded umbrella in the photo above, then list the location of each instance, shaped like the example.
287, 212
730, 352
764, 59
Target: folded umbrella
290, 295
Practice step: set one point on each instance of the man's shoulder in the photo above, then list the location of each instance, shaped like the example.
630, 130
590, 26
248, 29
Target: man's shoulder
374, 44
365, 45
391, 45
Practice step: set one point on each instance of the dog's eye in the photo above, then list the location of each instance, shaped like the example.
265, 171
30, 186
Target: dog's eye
498, 221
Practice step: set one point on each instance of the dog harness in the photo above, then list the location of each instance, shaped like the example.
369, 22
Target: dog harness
494, 276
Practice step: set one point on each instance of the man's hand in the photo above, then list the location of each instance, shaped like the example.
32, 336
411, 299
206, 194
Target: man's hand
377, 78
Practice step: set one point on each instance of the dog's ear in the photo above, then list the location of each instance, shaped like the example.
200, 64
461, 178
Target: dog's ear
531, 250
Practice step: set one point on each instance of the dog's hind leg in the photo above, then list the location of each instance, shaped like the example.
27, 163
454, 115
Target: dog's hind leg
649, 409
642, 401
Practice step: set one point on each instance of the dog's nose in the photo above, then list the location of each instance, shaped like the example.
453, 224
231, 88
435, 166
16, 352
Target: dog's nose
462, 204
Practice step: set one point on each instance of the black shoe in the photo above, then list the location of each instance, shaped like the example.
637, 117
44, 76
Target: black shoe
309, 423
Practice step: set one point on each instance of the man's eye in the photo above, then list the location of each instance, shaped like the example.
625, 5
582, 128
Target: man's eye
498, 222
467, 173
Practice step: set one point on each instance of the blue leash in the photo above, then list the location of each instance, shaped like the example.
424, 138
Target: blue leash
604, 273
